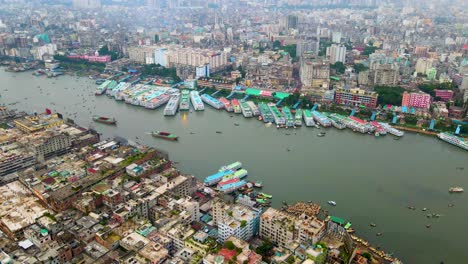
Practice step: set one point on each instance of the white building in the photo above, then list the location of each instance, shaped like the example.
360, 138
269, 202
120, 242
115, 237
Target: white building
336, 53
87, 3
160, 57
48, 49
203, 71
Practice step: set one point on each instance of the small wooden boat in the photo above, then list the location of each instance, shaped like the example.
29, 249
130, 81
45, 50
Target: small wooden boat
105, 120
164, 135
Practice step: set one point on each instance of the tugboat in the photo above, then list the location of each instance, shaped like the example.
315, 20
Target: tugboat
456, 190
164, 135
105, 120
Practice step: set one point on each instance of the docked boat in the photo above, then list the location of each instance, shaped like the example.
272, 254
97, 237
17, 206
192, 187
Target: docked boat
265, 196
232, 167
236, 106
338, 121
217, 177
208, 99
357, 124
184, 104
164, 135
101, 89
226, 182
378, 128
265, 113
227, 104
454, 140
277, 116
172, 105
253, 108
321, 119
242, 173
228, 188
298, 118
456, 190
105, 120
308, 118
246, 112
333, 203
258, 184
288, 116
392, 130
196, 101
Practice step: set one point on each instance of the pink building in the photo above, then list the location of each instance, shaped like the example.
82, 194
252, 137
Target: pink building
103, 59
445, 95
417, 100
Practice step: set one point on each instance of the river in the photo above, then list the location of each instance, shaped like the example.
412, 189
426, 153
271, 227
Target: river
371, 179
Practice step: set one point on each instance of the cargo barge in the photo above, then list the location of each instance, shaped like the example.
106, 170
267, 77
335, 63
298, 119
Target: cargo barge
227, 104
288, 116
184, 104
196, 101
212, 101
246, 112
308, 118
236, 106
172, 105
253, 108
265, 112
277, 116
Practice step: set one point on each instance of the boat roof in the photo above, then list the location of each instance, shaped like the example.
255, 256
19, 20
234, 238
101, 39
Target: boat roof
218, 175
337, 220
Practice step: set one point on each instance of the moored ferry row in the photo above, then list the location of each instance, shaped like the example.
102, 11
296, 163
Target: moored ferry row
265, 112
236, 106
454, 140
246, 112
277, 116
184, 104
253, 108
208, 99
321, 119
308, 118
172, 105
288, 116
227, 104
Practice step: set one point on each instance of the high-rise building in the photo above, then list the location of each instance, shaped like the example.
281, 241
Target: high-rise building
418, 100
336, 53
422, 65
203, 71
87, 3
292, 22
277, 226
315, 74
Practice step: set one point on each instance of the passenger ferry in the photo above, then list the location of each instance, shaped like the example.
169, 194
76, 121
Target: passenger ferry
454, 140
378, 128
227, 104
338, 121
357, 124
392, 130
212, 101
184, 101
321, 119
101, 89
238, 174
265, 113
236, 106
172, 105
233, 166
228, 188
246, 112
288, 116
196, 101
277, 116
217, 177
308, 118
298, 118
253, 108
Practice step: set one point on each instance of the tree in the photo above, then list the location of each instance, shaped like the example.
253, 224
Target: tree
339, 67
104, 50
264, 249
389, 94
276, 44
369, 50
156, 38
359, 67
367, 255
291, 49
229, 245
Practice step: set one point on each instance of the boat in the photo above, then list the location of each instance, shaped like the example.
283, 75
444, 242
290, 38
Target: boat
258, 184
208, 99
217, 177
288, 116
232, 167
164, 135
228, 188
392, 130
298, 117
267, 196
227, 104
321, 134
101, 89
321, 119
246, 111
184, 104
338, 121
172, 105
262, 201
196, 101
236, 106
104, 120
379, 129
226, 182
332, 203
265, 113
253, 108
456, 190
454, 140
277, 116
308, 118
242, 173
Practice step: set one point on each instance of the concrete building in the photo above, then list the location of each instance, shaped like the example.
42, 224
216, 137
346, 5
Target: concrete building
336, 53
356, 97
315, 74
203, 71
87, 3
417, 100
422, 65
277, 226
384, 74
444, 95
160, 57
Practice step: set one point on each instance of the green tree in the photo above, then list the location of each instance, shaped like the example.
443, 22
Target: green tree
369, 50
104, 50
389, 94
276, 44
229, 245
339, 67
265, 249
359, 67
156, 38
291, 49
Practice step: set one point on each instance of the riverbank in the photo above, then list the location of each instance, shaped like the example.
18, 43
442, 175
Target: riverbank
420, 131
